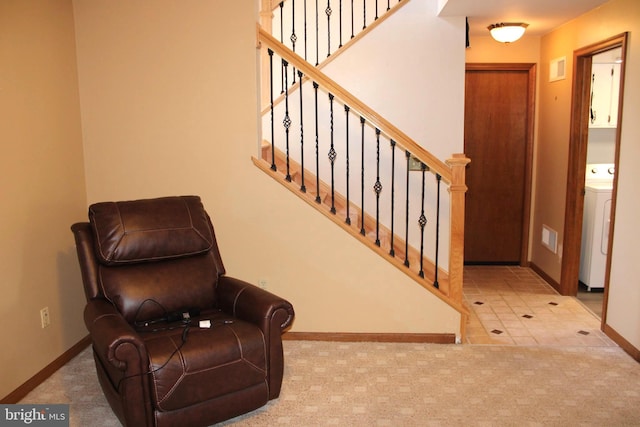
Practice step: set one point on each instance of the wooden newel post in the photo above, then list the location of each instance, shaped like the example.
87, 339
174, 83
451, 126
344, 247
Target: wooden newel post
457, 190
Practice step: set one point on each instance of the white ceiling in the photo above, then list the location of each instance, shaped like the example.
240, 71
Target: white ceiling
541, 15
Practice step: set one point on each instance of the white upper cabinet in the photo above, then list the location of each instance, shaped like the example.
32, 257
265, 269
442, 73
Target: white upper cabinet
605, 87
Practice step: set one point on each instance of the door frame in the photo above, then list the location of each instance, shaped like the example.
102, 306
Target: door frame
530, 68
579, 132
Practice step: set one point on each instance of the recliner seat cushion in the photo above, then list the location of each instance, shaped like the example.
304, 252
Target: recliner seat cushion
150, 230
212, 362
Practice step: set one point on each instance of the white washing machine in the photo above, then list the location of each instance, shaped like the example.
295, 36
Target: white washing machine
595, 224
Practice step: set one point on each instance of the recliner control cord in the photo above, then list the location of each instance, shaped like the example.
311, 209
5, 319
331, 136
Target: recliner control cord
185, 316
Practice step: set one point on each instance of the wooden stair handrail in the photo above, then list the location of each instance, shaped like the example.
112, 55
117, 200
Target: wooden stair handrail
402, 139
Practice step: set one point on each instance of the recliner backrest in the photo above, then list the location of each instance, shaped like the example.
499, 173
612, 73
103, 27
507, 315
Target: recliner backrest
155, 256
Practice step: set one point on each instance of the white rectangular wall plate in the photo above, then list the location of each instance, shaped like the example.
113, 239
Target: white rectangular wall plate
549, 238
558, 69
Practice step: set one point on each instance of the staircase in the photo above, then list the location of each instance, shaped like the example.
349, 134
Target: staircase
399, 187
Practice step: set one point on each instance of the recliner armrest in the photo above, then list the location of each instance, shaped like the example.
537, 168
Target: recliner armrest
253, 304
114, 340
272, 314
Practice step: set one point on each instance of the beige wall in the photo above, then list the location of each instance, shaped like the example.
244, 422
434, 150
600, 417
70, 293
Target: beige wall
552, 151
169, 106
42, 187
613, 18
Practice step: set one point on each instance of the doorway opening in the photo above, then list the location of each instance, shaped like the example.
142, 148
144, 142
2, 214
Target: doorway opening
582, 121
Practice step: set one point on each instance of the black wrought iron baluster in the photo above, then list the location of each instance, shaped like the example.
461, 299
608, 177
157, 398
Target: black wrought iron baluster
293, 37
281, 22
305, 30
422, 221
282, 40
406, 222
328, 12
273, 147
364, 14
377, 187
346, 111
340, 22
332, 156
315, 91
392, 251
303, 188
362, 230
287, 120
376, 18
352, 22
435, 280
388, 5
317, 36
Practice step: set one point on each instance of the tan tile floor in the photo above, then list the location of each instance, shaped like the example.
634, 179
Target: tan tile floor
513, 305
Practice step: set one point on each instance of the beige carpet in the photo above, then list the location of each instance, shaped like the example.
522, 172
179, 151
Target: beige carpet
373, 384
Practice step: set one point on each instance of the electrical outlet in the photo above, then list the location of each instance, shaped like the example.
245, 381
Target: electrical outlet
263, 283
45, 320
416, 165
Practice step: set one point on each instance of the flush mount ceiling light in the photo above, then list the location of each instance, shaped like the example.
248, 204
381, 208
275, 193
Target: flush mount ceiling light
507, 32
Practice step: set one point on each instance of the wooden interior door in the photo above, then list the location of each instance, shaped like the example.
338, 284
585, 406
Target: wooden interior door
498, 140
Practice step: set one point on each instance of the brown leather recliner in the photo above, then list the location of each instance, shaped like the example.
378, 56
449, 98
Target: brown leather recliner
176, 342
